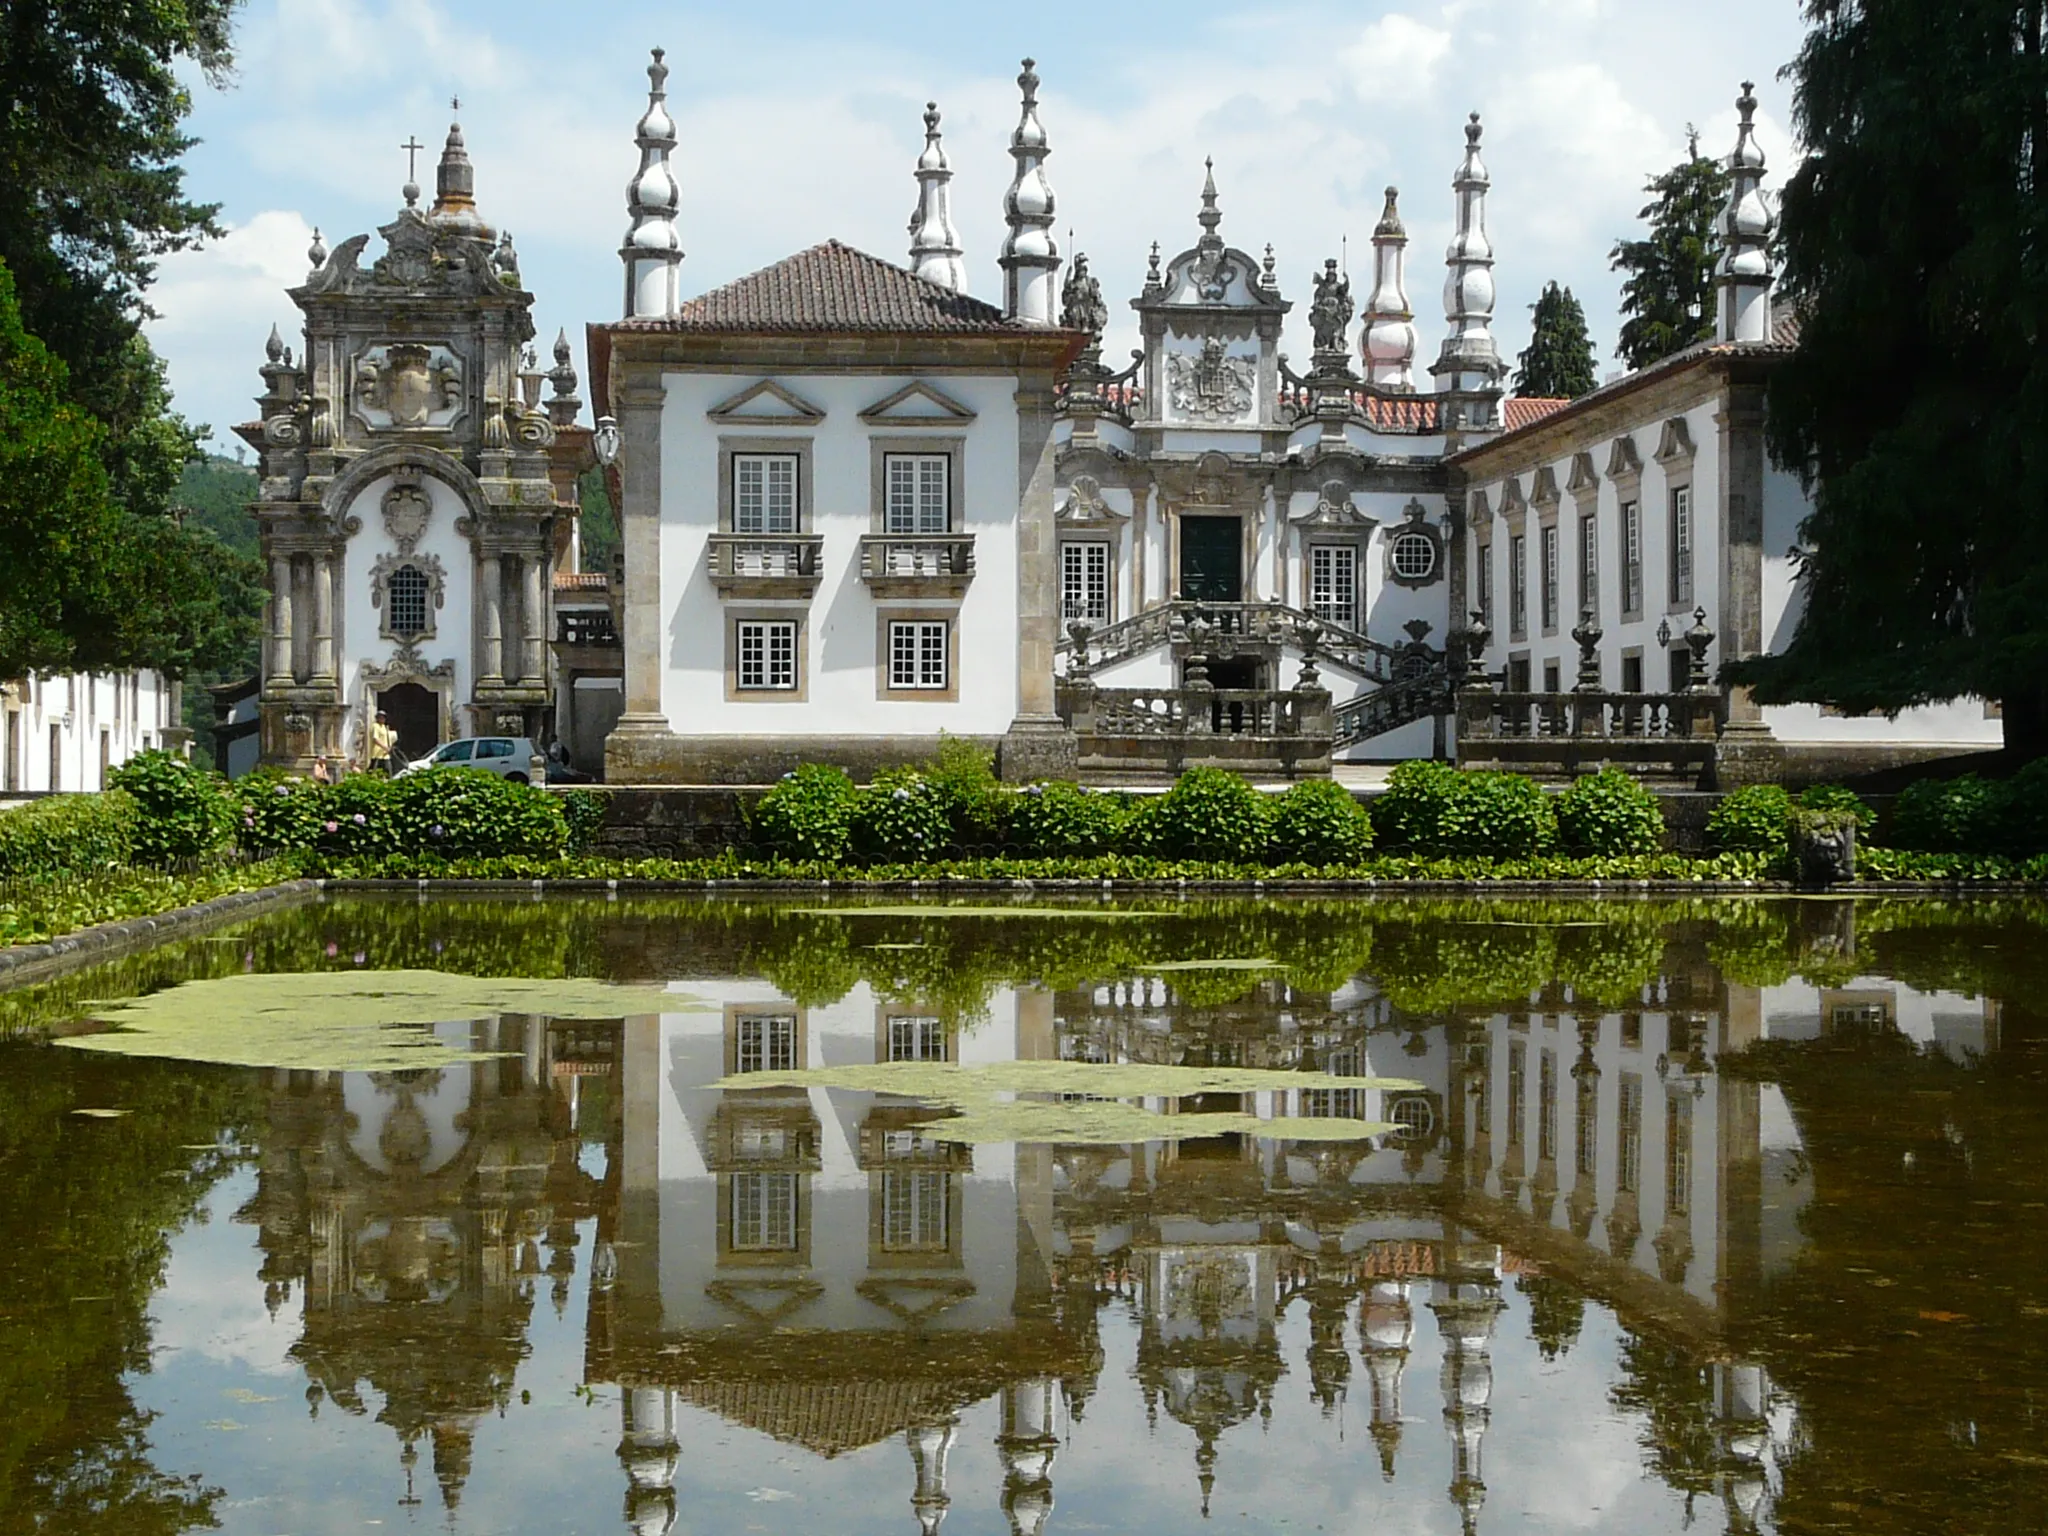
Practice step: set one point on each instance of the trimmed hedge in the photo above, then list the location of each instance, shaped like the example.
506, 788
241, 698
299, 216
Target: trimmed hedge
67, 835
452, 813
1754, 819
1319, 821
183, 812
1609, 813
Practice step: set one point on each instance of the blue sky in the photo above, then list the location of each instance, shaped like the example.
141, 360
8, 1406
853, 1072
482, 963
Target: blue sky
800, 122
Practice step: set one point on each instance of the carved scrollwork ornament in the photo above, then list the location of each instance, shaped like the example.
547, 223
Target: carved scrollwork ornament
407, 509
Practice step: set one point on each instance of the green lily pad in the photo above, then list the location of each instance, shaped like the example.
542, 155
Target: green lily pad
346, 1021
984, 1109
1096, 914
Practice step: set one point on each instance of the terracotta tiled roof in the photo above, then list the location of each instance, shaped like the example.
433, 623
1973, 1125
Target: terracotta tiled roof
1401, 413
825, 1418
1785, 326
581, 581
1520, 410
832, 288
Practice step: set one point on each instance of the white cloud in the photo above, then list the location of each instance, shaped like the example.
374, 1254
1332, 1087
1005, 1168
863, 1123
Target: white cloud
1308, 119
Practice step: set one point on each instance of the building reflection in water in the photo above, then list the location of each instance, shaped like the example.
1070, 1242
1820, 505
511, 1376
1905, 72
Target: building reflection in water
813, 1265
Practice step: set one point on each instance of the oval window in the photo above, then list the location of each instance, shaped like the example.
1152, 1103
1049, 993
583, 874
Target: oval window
1414, 556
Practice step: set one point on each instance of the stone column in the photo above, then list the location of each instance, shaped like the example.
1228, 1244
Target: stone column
277, 668
1038, 744
1741, 421
490, 572
533, 618
639, 413
1141, 533
324, 575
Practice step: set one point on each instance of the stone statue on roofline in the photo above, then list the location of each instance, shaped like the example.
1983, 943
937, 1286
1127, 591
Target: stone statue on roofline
1081, 305
1330, 313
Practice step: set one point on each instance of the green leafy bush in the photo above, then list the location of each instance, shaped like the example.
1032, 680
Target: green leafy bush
1319, 821
1963, 815
963, 776
1609, 812
808, 814
461, 813
1060, 820
901, 818
1833, 797
583, 813
182, 811
1418, 798
278, 811
67, 835
1751, 820
1209, 814
1502, 815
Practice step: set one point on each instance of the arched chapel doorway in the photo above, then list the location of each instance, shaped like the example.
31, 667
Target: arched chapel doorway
415, 714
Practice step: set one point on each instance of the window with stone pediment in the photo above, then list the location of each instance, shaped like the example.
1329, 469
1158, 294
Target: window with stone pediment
407, 591
1084, 580
1333, 583
917, 493
764, 493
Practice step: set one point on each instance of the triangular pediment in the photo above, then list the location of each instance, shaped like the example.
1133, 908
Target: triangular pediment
1675, 444
1584, 477
915, 1301
918, 404
1623, 460
766, 404
766, 1302
1545, 492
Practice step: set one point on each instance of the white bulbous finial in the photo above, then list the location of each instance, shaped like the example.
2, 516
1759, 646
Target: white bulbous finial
1745, 273
935, 253
653, 249
1469, 361
1030, 254
1387, 342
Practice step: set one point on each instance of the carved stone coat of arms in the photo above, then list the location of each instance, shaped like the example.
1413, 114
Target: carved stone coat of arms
1210, 385
406, 385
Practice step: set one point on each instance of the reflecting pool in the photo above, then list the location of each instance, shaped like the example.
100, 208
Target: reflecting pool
1583, 1216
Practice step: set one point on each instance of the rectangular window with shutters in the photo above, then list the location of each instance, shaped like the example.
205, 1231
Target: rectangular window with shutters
1333, 583
1084, 581
1589, 563
914, 1211
1681, 545
918, 493
1628, 1134
1677, 1154
1550, 594
916, 1038
764, 655
1631, 558
764, 493
764, 1212
918, 655
1518, 585
764, 1042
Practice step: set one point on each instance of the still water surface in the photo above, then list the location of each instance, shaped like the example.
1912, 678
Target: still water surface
1705, 1216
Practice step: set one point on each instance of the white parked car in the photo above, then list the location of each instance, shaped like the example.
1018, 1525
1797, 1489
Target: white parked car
509, 757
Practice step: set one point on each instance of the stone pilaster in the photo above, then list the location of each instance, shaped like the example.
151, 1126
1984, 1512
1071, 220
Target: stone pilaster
1747, 753
490, 618
1038, 745
324, 577
642, 726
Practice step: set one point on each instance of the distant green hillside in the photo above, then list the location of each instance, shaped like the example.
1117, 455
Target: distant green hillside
215, 493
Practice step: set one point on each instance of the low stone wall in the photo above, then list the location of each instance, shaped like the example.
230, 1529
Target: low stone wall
24, 963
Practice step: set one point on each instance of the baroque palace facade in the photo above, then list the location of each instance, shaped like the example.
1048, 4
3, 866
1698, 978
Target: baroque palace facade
860, 507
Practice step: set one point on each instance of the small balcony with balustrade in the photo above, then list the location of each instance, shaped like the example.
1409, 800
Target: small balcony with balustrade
764, 565
917, 565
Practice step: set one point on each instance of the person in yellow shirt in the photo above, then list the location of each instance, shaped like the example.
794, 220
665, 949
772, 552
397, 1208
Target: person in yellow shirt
384, 745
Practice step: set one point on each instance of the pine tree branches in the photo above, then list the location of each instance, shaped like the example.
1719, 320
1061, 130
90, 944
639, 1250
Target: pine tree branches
1558, 362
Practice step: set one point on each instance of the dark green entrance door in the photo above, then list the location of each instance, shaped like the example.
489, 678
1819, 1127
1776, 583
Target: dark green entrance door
1211, 559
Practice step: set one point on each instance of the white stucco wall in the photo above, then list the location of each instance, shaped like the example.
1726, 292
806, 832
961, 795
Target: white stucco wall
51, 727
839, 645
358, 622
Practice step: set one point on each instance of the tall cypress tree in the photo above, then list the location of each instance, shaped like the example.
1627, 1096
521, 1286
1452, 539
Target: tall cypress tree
1916, 406
1558, 362
1668, 296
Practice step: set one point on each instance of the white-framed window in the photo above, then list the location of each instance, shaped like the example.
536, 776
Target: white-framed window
766, 654
1628, 1135
764, 1212
1084, 580
914, 1209
1414, 1118
1549, 557
1589, 563
1678, 1154
1631, 557
916, 1038
917, 654
1333, 1103
1413, 556
1486, 584
1681, 544
764, 498
1518, 583
917, 492
1333, 583
764, 1042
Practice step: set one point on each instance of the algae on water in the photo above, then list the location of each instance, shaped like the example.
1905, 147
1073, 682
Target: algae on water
986, 1107
346, 1021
